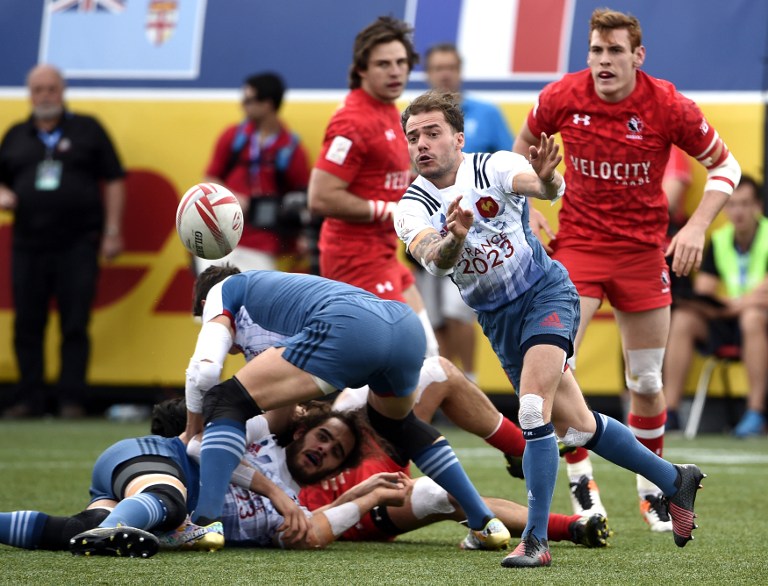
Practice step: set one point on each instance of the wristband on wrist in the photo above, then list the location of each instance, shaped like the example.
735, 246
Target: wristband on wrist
380, 210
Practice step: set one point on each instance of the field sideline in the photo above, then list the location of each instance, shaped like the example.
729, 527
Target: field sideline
46, 465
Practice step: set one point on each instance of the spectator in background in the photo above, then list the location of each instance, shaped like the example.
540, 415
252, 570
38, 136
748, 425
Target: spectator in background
52, 167
737, 258
485, 128
267, 168
485, 131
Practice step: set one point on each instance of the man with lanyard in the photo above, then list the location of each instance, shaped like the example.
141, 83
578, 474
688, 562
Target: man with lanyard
267, 168
51, 171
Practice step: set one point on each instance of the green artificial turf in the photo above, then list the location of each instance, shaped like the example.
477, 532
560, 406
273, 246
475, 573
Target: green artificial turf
45, 465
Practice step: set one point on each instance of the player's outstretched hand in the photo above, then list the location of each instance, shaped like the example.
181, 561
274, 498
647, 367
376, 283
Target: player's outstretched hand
458, 221
545, 158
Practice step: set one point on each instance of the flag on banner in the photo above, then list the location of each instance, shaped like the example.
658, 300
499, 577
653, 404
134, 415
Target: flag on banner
499, 39
87, 5
122, 39
162, 16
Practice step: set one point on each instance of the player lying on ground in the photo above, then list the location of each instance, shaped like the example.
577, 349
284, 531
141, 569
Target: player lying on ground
140, 485
318, 336
252, 519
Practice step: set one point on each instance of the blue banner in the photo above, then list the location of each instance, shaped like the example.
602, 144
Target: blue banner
119, 39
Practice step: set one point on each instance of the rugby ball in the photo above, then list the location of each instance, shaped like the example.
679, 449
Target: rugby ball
209, 221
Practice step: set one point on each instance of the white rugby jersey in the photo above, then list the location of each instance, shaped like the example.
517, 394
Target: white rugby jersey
501, 259
249, 518
250, 337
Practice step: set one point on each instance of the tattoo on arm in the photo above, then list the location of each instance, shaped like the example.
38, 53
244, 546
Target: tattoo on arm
443, 252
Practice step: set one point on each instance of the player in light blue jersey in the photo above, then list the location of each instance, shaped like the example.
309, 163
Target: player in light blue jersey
138, 485
467, 215
308, 337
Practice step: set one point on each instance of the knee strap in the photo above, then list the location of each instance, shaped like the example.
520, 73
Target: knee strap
175, 506
644, 370
229, 400
409, 436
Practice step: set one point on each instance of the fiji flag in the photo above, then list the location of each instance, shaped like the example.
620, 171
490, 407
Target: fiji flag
500, 40
87, 5
121, 39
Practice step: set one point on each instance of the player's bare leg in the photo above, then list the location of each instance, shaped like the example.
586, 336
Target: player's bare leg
644, 338
428, 504
468, 407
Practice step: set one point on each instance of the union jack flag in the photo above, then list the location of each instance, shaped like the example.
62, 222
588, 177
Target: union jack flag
87, 5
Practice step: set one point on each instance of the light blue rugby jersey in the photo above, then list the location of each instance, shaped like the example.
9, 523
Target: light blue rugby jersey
269, 306
502, 258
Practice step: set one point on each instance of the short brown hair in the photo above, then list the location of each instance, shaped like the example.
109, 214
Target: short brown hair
604, 20
441, 48
207, 279
436, 101
384, 29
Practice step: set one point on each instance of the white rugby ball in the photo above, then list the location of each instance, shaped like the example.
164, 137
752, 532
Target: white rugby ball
209, 221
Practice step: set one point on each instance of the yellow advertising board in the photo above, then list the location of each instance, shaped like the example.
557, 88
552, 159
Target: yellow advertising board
142, 331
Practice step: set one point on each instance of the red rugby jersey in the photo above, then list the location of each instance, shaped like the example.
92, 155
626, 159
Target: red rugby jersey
615, 154
365, 145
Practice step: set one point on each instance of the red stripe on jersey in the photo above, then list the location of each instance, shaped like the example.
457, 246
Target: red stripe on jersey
540, 25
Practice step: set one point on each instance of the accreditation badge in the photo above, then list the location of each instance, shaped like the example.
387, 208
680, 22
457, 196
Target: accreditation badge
48, 175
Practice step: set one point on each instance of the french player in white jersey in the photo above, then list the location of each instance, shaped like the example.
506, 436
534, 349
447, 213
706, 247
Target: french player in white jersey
467, 216
279, 459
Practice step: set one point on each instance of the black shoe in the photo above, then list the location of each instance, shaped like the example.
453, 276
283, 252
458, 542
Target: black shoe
655, 512
116, 542
590, 531
681, 503
530, 553
515, 466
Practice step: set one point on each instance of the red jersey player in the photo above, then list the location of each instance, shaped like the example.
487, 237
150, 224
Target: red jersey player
363, 170
617, 125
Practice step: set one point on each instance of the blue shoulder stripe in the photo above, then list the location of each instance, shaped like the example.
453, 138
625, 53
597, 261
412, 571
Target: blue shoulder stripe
416, 193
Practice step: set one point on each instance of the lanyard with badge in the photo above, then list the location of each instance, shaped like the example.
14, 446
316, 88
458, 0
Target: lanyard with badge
49, 170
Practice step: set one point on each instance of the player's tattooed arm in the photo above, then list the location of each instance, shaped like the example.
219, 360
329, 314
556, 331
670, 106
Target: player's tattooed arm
434, 249
438, 254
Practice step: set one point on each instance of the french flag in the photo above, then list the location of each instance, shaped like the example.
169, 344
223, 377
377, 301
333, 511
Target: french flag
500, 39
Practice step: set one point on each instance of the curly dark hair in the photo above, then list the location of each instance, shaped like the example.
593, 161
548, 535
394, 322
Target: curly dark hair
207, 279
318, 412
